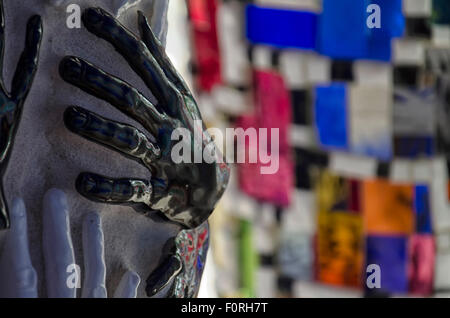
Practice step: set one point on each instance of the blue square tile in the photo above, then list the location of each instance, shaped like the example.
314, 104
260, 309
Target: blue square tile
331, 115
422, 209
281, 28
391, 254
342, 30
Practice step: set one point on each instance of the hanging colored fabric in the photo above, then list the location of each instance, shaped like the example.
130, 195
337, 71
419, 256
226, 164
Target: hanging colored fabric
422, 254
281, 28
273, 109
272, 113
331, 115
203, 14
273, 187
345, 32
390, 253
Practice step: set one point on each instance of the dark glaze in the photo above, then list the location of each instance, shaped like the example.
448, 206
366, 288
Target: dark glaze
182, 264
184, 193
11, 103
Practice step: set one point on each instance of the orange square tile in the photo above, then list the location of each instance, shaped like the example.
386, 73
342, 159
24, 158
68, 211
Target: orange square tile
340, 249
388, 208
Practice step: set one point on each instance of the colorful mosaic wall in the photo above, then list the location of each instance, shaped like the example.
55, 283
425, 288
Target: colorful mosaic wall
363, 115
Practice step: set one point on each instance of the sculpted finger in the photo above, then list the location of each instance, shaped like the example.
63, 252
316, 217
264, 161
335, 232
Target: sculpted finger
59, 258
105, 26
2, 41
18, 276
159, 53
123, 138
94, 257
118, 93
128, 285
114, 191
4, 214
163, 275
28, 62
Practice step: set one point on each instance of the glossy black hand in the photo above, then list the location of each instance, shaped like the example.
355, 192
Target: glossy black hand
185, 193
182, 264
11, 103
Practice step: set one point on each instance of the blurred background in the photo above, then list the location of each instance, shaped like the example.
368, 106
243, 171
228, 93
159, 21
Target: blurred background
360, 92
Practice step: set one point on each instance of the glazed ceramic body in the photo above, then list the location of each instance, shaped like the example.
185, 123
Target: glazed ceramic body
47, 155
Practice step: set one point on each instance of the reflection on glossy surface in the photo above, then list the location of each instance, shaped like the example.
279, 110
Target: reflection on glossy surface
11, 103
183, 264
192, 248
184, 193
